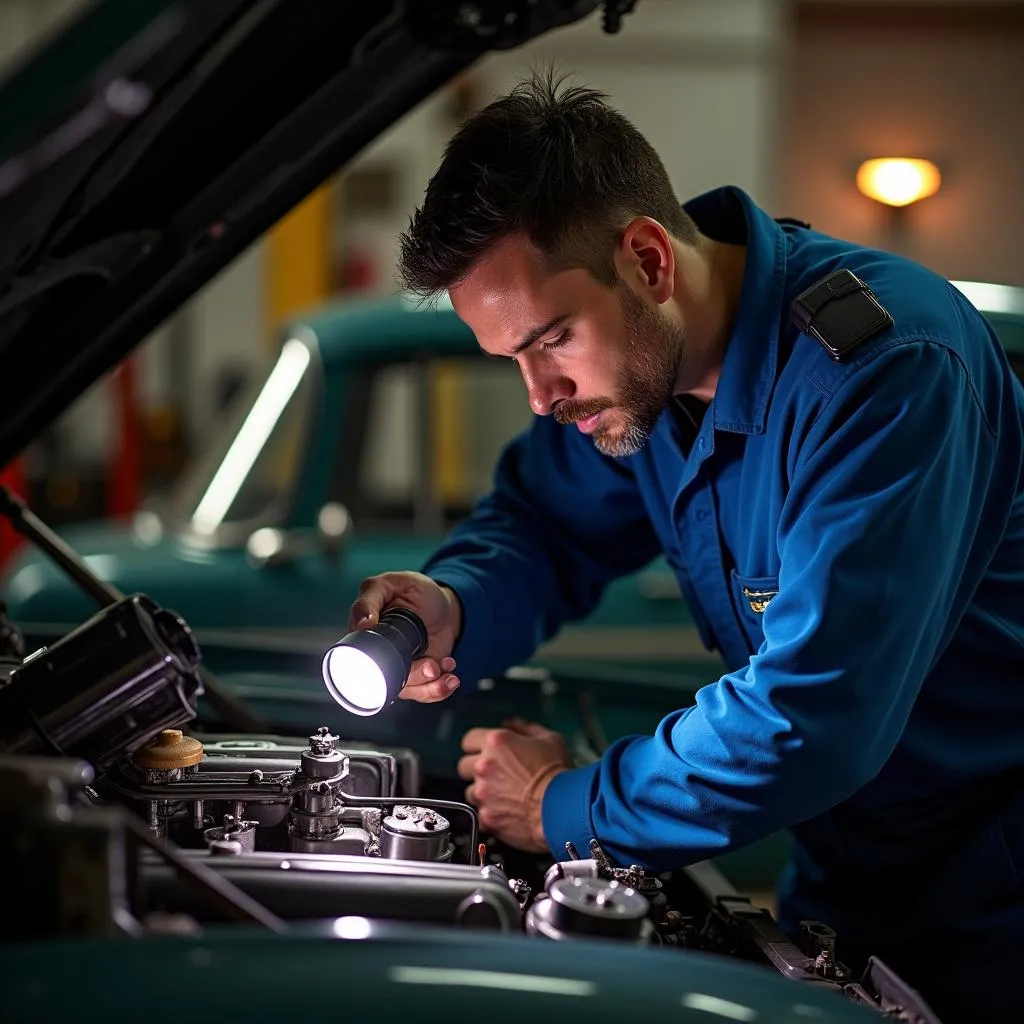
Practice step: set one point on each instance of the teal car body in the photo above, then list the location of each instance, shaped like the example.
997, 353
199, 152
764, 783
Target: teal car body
388, 974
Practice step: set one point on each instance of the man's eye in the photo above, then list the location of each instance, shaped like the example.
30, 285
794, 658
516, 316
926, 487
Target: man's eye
558, 342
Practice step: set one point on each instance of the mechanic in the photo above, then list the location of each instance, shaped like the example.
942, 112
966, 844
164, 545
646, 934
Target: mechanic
825, 441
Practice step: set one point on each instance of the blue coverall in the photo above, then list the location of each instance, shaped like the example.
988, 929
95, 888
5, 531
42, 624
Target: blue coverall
875, 706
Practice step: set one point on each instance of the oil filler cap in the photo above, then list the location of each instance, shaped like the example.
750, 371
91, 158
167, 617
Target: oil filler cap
170, 749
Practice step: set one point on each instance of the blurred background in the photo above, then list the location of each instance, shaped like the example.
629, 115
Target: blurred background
785, 98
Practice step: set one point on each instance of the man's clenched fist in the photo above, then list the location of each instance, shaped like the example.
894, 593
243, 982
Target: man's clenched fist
509, 769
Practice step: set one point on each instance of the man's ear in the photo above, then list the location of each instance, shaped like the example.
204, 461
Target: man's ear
645, 258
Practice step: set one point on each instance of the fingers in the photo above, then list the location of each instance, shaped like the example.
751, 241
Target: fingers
426, 670
374, 593
524, 728
431, 693
467, 766
430, 680
473, 741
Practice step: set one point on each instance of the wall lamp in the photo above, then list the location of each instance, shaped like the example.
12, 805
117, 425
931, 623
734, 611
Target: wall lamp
898, 181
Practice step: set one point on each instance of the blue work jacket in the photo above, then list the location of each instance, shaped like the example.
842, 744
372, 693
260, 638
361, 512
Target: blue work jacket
850, 536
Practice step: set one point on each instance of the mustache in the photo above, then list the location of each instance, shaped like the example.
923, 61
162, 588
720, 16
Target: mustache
571, 411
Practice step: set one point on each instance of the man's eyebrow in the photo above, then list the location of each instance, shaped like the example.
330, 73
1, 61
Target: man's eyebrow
539, 332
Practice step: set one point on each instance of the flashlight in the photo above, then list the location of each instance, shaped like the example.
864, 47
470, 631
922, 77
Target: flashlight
366, 669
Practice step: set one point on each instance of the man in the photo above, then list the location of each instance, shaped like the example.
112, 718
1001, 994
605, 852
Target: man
844, 513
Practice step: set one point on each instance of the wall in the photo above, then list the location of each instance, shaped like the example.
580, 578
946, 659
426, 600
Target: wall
698, 77
898, 79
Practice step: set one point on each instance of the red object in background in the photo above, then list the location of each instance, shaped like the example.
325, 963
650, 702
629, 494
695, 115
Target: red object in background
357, 271
125, 487
12, 476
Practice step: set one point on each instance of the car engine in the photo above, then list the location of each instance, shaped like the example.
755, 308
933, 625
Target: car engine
127, 818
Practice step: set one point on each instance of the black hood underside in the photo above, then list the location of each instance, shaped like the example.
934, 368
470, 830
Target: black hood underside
154, 140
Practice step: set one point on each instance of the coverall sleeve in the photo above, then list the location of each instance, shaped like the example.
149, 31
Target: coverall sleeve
885, 499
561, 522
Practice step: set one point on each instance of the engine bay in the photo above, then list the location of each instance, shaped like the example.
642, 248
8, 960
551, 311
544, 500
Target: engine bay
130, 818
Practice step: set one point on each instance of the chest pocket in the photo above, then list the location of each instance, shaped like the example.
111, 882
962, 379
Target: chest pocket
751, 595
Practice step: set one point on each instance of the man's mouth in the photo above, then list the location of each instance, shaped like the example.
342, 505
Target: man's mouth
588, 423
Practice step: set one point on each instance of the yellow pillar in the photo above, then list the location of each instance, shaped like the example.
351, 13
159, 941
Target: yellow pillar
298, 260
447, 403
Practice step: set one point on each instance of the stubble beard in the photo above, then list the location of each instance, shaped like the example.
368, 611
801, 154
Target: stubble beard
652, 359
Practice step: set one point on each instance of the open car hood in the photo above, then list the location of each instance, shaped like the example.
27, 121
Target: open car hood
153, 140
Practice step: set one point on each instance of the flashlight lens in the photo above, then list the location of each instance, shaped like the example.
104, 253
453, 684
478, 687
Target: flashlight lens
355, 681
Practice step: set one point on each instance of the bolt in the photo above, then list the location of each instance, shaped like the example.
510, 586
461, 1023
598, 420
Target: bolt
255, 777
824, 964
520, 889
323, 741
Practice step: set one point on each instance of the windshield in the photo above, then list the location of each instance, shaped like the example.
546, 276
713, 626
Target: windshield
254, 467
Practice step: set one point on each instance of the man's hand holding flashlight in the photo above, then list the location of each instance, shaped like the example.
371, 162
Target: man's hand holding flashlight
430, 679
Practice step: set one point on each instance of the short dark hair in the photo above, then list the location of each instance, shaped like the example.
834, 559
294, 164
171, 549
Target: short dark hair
556, 164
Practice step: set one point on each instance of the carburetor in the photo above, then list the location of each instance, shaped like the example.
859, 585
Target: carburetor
287, 805
593, 898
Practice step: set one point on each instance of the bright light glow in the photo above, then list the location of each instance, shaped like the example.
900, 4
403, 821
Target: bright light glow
352, 928
265, 543
897, 181
992, 298
252, 436
493, 979
355, 681
149, 529
719, 1007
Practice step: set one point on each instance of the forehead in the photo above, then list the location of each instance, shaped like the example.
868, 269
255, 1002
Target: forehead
512, 290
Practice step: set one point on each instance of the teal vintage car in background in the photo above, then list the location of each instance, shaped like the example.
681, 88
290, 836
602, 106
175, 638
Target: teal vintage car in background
374, 429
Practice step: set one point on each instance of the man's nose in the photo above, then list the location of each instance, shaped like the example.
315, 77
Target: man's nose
545, 389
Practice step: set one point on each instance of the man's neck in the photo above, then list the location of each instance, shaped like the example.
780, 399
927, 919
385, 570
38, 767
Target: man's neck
709, 283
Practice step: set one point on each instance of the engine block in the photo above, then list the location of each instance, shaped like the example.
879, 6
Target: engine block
239, 795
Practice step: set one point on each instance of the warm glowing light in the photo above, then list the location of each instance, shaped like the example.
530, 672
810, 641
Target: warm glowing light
897, 181
355, 681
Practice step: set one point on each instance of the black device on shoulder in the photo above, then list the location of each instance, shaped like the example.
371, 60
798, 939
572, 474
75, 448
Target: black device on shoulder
840, 311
